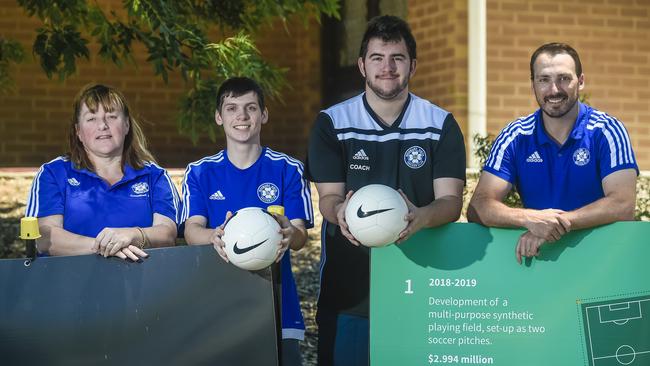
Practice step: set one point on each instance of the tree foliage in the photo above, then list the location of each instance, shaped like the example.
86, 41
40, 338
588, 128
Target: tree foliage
10, 52
176, 36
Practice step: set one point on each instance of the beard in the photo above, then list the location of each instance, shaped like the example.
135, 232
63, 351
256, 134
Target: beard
557, 110
387, 94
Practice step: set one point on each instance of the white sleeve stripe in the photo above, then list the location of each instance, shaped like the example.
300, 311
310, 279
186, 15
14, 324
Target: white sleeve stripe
505, 139
608, 126
610, 142
33, 204
623, 156
279, 154
619, 145
185, 188
627, 145
524, 122
186, 194
32, 200
600, 122
175, 197
612, 147
305, 192
502, 149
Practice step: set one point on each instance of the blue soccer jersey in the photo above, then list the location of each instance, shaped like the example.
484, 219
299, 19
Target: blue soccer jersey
214, 186
89, 204
565, 177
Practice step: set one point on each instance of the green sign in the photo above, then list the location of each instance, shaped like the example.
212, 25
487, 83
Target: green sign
456, 295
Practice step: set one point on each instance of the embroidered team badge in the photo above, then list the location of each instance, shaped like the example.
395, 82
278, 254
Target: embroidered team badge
140, 188
415, 157
581, 157
73, 182
267, 192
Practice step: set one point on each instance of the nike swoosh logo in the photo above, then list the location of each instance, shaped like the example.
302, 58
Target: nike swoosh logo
361, 214
239, 250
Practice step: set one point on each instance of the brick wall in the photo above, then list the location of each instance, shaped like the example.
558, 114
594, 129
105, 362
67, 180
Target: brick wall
34, 117
290, 119
612, 38
440, 29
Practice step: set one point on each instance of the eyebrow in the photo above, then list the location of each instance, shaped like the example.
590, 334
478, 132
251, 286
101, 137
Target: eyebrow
390, 55
546, 75
226, 104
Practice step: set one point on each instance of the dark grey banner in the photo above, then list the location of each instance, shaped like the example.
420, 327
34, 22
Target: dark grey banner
181, 306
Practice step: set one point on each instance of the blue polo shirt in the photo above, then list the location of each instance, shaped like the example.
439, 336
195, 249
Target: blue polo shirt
565, 177
213, 186
89, 204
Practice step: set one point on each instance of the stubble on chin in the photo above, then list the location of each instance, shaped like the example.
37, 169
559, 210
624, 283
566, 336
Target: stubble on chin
390, 94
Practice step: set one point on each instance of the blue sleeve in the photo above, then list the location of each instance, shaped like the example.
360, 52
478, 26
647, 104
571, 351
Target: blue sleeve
193, 203
297, 194
46, 197
500, 161
166, 201
614, 148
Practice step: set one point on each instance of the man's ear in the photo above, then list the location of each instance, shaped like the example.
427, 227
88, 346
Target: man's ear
414, 63
581, 81
217, 118
362, 67
265, 115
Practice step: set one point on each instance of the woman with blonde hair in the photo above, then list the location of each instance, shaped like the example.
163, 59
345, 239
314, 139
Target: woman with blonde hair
107, 195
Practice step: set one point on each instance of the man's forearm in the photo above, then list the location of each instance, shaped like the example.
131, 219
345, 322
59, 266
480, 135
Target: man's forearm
442, 211
197, 235
329, 205
494, 213
603, 211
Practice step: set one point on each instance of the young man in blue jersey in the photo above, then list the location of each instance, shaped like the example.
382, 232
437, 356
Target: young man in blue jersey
248, 174
384, 135
572, 165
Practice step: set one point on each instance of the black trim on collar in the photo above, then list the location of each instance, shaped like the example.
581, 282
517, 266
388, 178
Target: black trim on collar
376, 118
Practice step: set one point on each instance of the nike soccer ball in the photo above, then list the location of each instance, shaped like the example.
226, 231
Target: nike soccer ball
375, 215
252, 237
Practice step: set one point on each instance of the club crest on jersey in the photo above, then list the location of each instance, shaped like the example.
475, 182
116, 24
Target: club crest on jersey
415, 157
581, 157
267, 192
73, 182
140, 188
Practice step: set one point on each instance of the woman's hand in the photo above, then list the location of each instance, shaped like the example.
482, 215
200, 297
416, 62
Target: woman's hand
111, 241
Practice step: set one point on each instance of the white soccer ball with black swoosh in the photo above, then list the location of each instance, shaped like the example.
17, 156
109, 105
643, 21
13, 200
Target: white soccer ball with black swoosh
375, 215
252, 237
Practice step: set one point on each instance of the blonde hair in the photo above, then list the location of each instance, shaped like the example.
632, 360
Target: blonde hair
135, 151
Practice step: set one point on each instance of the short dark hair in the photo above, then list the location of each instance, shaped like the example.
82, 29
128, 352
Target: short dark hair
553, 49
390, 29
238, 86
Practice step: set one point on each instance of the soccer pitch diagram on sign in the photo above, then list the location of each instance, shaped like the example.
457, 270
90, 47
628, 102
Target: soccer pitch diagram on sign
611, 328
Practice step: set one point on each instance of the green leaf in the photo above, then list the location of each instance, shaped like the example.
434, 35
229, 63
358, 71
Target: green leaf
178, 37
